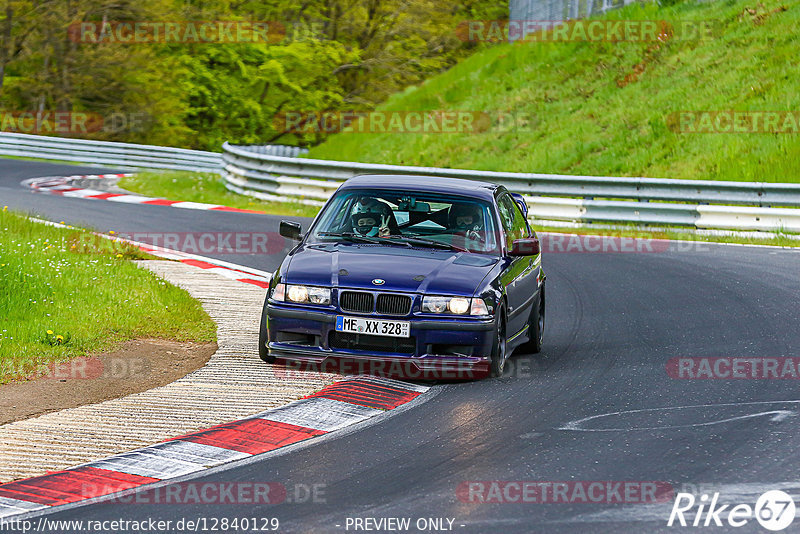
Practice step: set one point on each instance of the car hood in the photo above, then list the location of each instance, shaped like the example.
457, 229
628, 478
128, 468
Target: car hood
423, 270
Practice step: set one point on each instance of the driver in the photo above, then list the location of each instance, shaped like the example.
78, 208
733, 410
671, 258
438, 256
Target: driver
371, 217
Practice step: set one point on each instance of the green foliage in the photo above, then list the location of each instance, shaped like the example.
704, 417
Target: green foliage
234, 92
43, 69
337, 54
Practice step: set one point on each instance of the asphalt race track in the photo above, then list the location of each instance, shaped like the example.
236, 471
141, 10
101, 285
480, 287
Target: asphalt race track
125, 218
614, 320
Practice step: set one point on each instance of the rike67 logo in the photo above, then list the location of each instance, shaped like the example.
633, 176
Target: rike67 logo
774, 510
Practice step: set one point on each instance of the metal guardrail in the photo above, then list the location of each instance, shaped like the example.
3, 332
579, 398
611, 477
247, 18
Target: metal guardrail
122, 155
697, 203
126, 155
276, 150
274, 172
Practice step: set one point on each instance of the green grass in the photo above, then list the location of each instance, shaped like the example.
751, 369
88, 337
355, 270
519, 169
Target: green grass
206, 187
65, 293
585, 122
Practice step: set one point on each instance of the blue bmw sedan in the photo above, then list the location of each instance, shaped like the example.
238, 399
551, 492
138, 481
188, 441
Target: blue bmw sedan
410, 277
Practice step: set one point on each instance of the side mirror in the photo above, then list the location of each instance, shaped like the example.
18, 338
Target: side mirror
291, 230
528, 246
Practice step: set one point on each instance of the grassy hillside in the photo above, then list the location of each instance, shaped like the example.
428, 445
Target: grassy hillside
608, 108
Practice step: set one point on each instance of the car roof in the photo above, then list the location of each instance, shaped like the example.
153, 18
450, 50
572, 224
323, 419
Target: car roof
427, 184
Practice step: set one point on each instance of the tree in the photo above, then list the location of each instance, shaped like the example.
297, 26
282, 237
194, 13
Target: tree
337, 55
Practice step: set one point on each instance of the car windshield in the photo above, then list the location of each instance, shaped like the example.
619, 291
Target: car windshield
408, 219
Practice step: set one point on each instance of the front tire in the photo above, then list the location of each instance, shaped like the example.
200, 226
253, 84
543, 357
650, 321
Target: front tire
263, 338
499, 349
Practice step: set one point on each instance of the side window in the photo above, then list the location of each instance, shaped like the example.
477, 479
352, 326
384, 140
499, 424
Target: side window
514, 222
506, 214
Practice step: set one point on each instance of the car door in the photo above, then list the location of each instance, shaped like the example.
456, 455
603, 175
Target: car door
519, 275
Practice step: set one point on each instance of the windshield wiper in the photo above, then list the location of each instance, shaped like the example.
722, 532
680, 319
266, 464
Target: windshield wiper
432, 243
393, 240
351, 236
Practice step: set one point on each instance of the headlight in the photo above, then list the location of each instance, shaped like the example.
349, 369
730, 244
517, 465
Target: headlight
297, 293
459, 306
454, 305
319, 295
435, 304
302, 294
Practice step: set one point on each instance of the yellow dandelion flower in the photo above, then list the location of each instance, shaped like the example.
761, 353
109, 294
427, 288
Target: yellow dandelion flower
111, 232
49, 332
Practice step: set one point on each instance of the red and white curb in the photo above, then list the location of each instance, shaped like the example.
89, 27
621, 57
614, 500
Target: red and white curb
233, 271
62, 186
344, 403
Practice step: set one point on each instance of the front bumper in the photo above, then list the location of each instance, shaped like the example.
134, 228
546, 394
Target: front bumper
444, 348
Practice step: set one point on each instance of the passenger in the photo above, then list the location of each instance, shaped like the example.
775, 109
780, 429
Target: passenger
466, 221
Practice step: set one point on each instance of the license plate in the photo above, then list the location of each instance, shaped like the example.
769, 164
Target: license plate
375, 327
